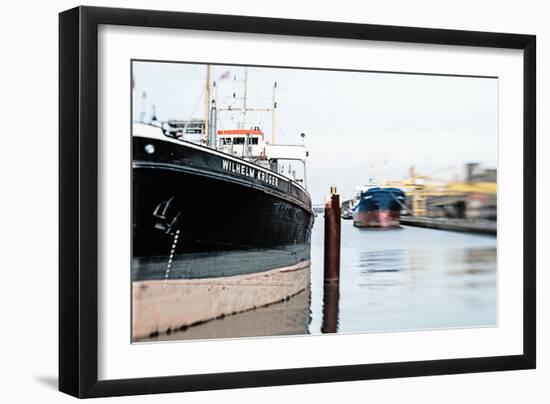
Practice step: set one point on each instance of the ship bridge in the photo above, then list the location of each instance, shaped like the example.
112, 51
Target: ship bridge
250, 144
244, 143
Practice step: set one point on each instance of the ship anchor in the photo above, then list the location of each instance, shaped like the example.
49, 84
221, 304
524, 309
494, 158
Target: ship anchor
166, 216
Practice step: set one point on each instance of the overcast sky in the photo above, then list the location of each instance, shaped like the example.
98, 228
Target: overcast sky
353, 121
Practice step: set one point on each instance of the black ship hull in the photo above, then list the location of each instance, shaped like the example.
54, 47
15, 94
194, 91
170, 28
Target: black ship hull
198, 213
213, 235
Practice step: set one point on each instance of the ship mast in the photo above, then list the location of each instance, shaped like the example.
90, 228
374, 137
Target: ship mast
245, 83
244, 106
207, 105
384, 172
273, 106
143, 106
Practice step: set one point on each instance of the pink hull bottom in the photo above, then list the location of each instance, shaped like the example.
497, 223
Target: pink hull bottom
377, 218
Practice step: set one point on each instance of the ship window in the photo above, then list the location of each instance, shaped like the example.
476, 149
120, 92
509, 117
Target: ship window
254, 140
238, 140
226, 140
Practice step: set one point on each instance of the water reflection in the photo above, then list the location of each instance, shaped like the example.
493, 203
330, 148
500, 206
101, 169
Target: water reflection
331, 300
408, 279
291, 317
405, 279
381, 261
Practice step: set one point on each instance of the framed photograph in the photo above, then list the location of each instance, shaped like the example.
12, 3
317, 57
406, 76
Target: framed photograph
251, 201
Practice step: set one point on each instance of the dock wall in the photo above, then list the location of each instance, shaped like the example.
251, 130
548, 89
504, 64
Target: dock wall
461, 225
161, 306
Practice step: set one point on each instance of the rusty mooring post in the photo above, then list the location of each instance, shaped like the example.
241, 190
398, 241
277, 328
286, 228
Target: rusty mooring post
332, 237
331, 307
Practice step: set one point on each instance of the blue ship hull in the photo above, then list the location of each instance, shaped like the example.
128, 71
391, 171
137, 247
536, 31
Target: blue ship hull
379, 207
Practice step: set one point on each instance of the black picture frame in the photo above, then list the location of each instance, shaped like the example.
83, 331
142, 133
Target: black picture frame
78, 203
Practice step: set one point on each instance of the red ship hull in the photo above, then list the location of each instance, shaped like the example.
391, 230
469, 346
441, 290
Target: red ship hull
377, 218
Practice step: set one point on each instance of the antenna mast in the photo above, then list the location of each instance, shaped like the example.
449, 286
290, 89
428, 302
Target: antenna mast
143, 106
385, 172
244, 95
273, 106
207, 105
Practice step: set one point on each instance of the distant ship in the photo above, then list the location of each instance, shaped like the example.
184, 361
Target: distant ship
347, 209
378, 207
217, 229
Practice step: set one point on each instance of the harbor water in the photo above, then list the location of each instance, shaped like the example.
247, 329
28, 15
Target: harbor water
407, 278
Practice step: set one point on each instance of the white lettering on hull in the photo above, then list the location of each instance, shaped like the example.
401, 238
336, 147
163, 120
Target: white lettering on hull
250, 172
